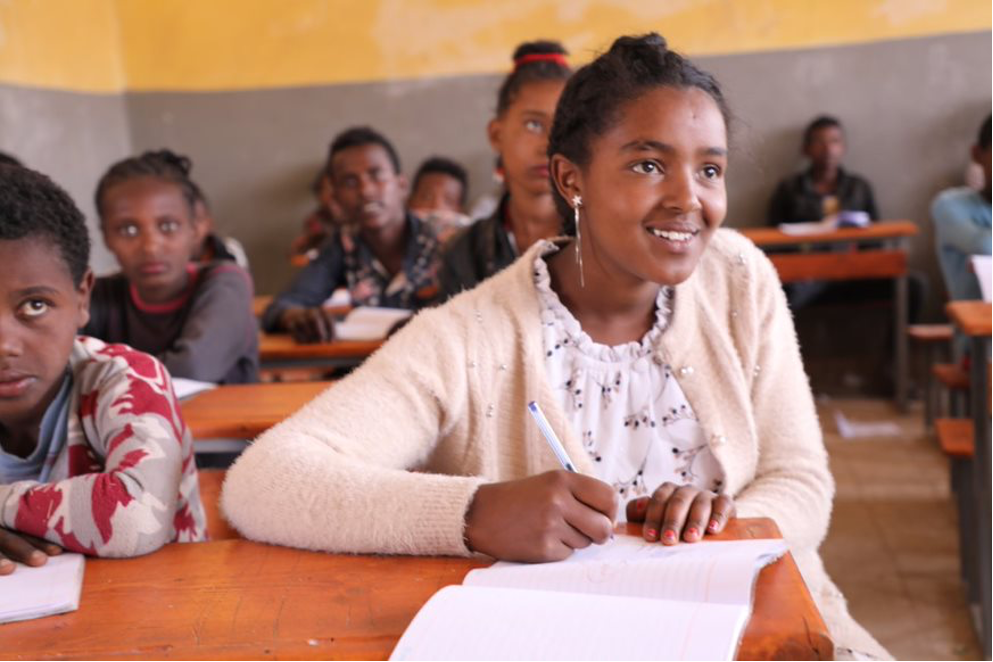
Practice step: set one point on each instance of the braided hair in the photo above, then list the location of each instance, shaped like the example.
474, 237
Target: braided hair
162, 164
533, 61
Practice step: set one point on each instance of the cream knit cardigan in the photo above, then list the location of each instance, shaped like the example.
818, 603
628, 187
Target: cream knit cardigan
389, 459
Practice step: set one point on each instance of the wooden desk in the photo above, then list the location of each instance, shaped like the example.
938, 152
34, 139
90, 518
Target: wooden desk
973, 319
211, 481
234, 599
260, 303
888, 262
244, 411
878, 231
279, 350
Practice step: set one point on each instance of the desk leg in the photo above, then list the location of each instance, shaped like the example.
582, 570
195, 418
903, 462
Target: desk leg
900, 328
981, 481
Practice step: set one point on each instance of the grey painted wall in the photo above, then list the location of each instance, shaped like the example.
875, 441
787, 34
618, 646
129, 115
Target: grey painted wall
70, 137
911, 109
257, 152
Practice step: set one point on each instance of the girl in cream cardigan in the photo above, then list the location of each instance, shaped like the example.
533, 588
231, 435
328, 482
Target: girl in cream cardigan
659, 347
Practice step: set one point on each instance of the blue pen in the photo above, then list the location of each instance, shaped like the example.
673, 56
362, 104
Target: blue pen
549, 434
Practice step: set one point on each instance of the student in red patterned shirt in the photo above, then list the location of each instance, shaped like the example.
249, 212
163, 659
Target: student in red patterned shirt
94, 454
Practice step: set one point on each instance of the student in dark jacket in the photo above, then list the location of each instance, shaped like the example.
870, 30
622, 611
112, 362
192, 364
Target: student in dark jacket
519, 135
383, 255
825, 188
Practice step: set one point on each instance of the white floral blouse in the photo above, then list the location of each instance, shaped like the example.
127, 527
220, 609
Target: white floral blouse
630, 412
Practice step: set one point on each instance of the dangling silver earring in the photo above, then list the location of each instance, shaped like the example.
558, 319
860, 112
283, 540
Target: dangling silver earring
577, 202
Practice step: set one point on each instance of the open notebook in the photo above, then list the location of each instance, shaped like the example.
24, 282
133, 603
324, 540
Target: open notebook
625, 600
50, 589
369, 323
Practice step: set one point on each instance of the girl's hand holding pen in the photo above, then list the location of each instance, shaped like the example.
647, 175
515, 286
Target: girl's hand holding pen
675, 512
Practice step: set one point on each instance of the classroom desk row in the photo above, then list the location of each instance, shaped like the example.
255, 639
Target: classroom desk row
236, 599
975, 320
879, 252
244, 411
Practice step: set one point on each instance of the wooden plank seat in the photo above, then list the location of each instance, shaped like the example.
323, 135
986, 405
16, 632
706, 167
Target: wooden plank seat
955, 436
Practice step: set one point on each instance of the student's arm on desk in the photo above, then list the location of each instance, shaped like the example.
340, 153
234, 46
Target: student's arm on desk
311, 287
792, 482
128, 508
335, 475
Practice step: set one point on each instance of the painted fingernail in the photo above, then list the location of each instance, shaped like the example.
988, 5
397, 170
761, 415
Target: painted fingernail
652, 533
713, 525
692, 532
670, 535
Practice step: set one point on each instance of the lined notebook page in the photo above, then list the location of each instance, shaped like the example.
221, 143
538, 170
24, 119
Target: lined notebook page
51, 589
721, 572
477, 623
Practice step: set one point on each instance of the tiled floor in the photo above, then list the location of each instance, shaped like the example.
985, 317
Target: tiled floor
893, 543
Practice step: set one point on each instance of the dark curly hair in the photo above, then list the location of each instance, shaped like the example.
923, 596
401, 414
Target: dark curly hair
9, 159
983, 137
591, 102
32, 205
161, 164
818, 123
533, 61
444, 166
360, 136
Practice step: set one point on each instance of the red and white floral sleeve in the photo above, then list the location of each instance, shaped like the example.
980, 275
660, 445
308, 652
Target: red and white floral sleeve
125, 483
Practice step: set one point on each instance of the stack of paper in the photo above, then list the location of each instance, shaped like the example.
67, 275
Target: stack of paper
369, 323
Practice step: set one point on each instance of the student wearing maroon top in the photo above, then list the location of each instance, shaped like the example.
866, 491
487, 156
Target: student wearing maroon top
195, 318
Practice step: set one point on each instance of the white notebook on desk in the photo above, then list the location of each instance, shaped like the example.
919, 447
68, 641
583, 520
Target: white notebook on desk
187, 388
53, 588
369, 323
625, 600
983, 269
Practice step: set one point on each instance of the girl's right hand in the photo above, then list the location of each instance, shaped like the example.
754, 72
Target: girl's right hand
309, 325
540, 518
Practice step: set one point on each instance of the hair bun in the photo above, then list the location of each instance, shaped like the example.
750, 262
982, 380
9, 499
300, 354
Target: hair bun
652, 40
171, 158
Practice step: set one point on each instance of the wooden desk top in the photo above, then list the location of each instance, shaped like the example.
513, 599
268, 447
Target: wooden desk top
244, 411
972, 317
233, 599
877, 231
282, 347
260, 302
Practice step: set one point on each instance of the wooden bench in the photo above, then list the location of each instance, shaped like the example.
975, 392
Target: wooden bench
955, 436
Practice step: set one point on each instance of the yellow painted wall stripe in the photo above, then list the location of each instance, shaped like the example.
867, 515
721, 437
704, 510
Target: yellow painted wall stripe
61, 44
208, 45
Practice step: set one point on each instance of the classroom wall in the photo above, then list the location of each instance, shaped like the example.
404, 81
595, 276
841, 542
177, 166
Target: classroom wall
254, 90
61, 111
